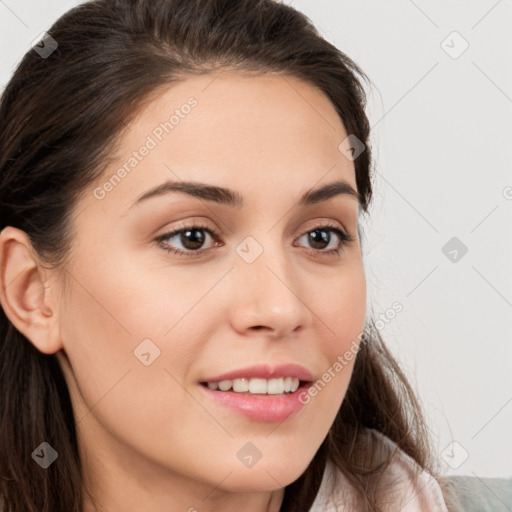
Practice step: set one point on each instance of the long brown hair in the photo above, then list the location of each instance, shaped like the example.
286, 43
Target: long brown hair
60, 116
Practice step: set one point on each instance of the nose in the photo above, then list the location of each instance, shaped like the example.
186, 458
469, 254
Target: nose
269, 295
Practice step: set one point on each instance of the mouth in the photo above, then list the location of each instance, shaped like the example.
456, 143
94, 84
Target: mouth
263, 393
258, 403
257, 386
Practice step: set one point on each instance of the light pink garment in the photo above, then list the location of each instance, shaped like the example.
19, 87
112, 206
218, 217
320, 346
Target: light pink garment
337, 495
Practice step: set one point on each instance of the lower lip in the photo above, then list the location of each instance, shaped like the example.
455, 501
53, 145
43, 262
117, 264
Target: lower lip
266, 408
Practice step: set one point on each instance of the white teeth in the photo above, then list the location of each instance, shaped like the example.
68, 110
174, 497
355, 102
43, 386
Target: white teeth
275, 386
225, 385
241, 385
258, 386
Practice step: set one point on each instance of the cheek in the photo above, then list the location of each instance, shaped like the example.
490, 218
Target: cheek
96, 337
130, 330
134, 402
342, 310
108, 330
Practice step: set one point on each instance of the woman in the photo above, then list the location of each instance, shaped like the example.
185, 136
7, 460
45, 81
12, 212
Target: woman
183, 321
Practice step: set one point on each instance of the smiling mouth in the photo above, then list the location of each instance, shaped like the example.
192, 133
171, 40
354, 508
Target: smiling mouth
257, 386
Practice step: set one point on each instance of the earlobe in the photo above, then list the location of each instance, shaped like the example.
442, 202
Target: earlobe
24, 298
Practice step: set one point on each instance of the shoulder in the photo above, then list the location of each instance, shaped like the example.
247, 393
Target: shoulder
408, 487
404, 486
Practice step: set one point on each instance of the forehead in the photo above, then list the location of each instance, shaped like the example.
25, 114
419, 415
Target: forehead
252, 132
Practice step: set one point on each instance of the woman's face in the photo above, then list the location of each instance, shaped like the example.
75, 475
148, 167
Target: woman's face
142, 328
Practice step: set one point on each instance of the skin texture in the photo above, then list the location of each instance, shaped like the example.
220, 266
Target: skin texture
149, 438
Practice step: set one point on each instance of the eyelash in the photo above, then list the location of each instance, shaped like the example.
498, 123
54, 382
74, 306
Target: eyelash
344, 238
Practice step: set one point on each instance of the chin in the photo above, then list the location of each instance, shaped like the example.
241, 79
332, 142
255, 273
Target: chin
264, 477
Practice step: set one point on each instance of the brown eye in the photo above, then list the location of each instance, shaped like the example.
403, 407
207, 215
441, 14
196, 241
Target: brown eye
192, 239
320, 238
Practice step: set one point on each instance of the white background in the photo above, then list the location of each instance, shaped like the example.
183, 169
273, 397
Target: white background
442, 142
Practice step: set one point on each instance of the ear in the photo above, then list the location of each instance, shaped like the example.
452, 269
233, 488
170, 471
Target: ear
30, 306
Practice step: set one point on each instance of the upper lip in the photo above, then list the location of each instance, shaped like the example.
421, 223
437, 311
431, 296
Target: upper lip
265, 371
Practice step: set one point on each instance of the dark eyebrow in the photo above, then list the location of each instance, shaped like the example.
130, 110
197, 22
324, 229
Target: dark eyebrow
336, 188
233, 199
